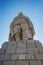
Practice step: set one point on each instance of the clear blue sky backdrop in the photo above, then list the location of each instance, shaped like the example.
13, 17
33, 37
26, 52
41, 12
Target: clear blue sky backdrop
31, 8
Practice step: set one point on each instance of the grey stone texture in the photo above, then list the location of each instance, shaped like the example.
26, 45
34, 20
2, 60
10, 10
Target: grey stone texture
2, 51
38, 44
21, 50
30, 44
1, 62
39, 56
14, 57
9, 63
23, 45
4, 57
11, 49
29, 57
22, 63
4, 45
35, 63
27, 52
32, 50
41, 50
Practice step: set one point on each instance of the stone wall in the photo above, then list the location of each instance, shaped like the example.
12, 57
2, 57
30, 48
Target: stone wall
28, 52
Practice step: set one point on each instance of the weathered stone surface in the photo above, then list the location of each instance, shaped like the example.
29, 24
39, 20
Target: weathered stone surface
12, 42
31, 44
29, 50
24, 25
29, 57
38, 44
35, 50
42, 62
18, 57
22, 63
14, 57
35, 63
21, 50
4, 45
39, 56
11, 49
32, 50
21, 44
2, 51
31, 41
22, 56
21, 29
4, 57
0, 62
9, 63
26, 34
20, 53
41, 50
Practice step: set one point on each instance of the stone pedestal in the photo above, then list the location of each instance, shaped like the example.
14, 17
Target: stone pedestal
28, 52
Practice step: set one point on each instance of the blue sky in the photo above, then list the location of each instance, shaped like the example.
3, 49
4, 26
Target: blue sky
31, 8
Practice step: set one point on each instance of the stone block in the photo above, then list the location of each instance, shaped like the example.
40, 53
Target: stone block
38, 44
22, 63
35, 50
11, 49
18, 57
29, 50
31, 44
39, 56
35, 63
32, 50
21, 56
42, 62
2, 51
14, 57
41, 50
30, 57
0, 62
21, 44
12, 42
21, 50
9, 63
4, 57
4, 45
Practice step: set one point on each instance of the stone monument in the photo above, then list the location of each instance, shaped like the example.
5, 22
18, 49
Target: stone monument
21, 28
21, 49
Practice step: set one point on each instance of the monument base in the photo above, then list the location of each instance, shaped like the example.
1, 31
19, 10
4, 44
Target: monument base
28, 52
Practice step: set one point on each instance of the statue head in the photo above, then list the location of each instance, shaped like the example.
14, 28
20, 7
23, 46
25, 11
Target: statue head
20, 14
